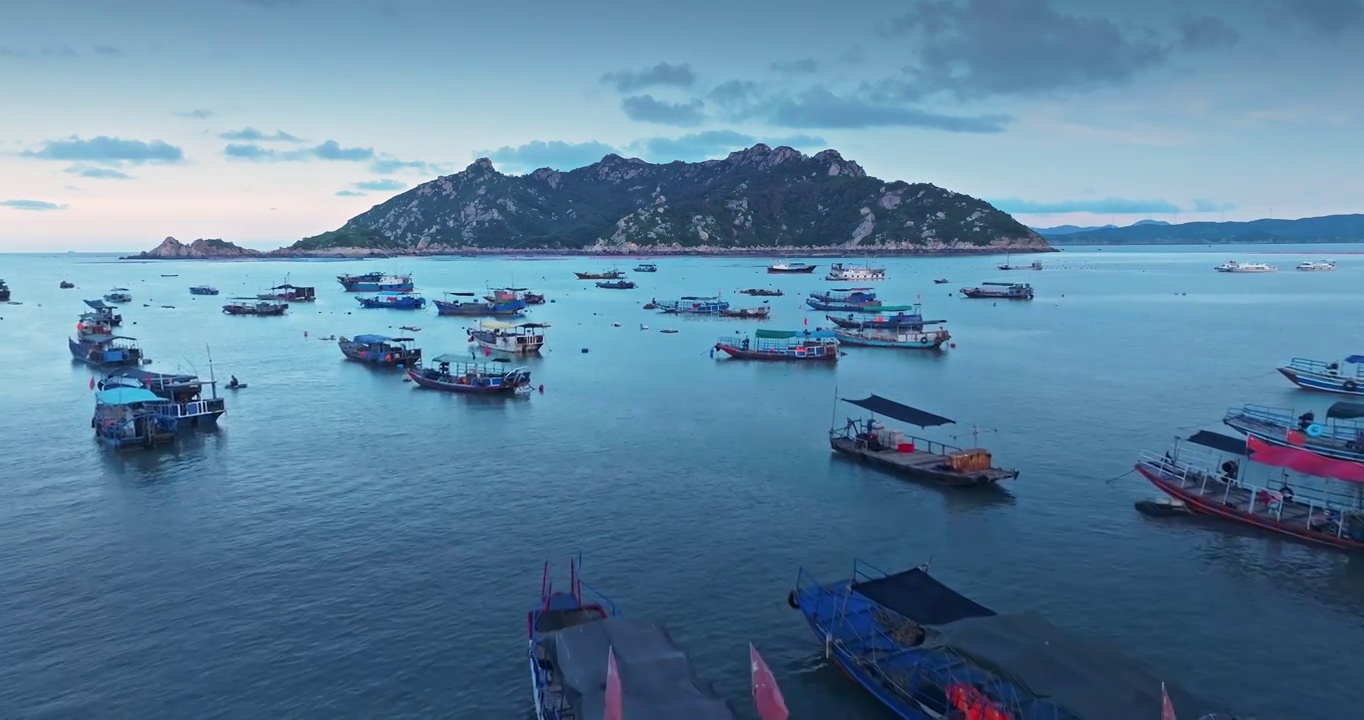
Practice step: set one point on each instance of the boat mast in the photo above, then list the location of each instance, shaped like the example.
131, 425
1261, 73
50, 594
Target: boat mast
213, 380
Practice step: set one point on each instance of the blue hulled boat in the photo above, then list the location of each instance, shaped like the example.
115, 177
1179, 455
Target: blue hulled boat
376, 282
4, 292
616, 285
843, 300
926, 651
1340, 437
692, 305
393, 301
468, 304
102, 313
95, 344
786, 345
381, 350
1345, 377
128, 418
182, 395
902, 338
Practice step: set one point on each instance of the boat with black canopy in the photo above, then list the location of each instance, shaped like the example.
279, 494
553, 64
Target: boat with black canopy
127, 418
290, 293
1229, 478
872, 442
1340, 437
467, 304
496, 336
999, 291
182, 393
381, 350
254, 306
452, 374
1340, 376
928, 652
102, 312
762, 292
783, 345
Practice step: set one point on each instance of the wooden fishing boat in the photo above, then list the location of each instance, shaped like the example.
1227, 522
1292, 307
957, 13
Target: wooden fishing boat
203, 290
904, 317
791, 268
782, 345
4, 291
616, 285
999, 291
118, 295
522, 339
838, 272
762, 292
753, 313
452, 374
102, 313
844, 299
941, 281
926, 651
127, 418
1335, 377
900, 338
95, 344
254, 306
393, 301
508, 295
290, 293
691, 305
1214, 475
608, 275
646, 268
467, 304
377, 282
66, 285
919, 458
182, 394
1341, 437
381, 350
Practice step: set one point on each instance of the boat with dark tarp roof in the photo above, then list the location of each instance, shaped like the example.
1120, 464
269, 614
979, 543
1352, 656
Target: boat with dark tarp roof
102, 312
783, 345
380, 350
926, 652
872, 442
183, 394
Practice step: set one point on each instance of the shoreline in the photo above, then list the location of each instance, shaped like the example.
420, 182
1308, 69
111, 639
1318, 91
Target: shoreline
780, 253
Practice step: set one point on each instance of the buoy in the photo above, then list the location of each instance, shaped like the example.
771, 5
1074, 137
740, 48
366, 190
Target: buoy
1315, 430
305, 333
542, 388
951, 345
584, 351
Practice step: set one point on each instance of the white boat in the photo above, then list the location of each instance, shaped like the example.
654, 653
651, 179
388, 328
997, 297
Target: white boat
841, 272
1318, 265
1231, 266
118, 295
522, 339
791, 268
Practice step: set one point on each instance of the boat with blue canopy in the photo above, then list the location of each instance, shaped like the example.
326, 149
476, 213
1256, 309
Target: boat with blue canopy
128, 418
393, 301
182, 395
901, 338
1342, 376
102, 312
376, 282
843, 300
927, 652
691, 305
467, 304
381, 350
784, 345
1340, 437
453, 374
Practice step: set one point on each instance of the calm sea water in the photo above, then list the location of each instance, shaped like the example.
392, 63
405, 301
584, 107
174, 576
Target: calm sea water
348, 546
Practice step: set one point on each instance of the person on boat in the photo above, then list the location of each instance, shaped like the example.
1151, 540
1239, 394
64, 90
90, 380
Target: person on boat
1230, 469
1287, 492
1306, 419
233, 382
745, 344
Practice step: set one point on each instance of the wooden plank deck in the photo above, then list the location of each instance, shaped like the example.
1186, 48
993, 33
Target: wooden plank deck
926, 465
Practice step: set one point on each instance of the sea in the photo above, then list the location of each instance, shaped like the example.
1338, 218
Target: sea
346, 545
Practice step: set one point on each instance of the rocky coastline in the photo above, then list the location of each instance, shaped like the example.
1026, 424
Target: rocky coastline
830, 251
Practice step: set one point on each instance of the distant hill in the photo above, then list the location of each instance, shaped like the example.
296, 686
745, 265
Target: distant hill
201, 249
758, 200
1072, 229
1326, 229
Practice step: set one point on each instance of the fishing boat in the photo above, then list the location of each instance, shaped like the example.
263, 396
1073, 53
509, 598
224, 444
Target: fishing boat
507, 295
290, 293
100, 312
754, 313
901, 338
941, 281
784, 345
393, 301
118, 295
254, 306
608, 275
95, 344
1317, 266
587, 661
1163, 506
66, 285
838, 272
467, 304
999, 291
616, 285
182, 395
1008, 266
646, 268
762, 292
919, 458
522, 339
926, 652
127, 418
900, 320
791, 268
381, 350
1341, 437
4, 291
1332, 376
452, 374
376, 282
203, 290
691, 305
843, 299
1214, 474
1231, 266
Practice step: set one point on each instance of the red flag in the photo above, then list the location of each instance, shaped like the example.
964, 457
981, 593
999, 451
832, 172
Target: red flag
92, 383
1304, 461
807, 321
766, 695
613, 699
487, 352
1167, 710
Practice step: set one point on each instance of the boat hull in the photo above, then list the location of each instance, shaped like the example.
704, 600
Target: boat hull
920, 465
391, 357
979, 294
908, 323
928, 342
368, 286
1336, 448
1323, 382
92, 354
402, 303
435, 383
826, 354
791, 271
244, 310
508, 309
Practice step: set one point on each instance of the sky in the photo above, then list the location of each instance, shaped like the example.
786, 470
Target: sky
263, 121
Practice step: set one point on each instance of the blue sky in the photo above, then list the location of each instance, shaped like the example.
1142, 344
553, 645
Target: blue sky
262, 121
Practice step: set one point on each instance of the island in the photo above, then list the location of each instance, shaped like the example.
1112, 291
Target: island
201, 249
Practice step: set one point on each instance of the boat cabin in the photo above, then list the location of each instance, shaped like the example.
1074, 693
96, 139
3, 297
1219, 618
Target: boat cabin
1338, 376
381, 350
290, 293
183, 394
517, 339
131, 418
1000, 291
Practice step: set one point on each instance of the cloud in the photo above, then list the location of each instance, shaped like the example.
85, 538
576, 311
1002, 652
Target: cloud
387, 165
1202, 205
251, 134
272, 3
554, 154
662, 74
712, 143
107, 50
199, 114
349, 193
34, 205
96, 172
328, 150
1327, 18
104, 150
819, 108
1206, 33
853, 55
1104, 206
644, 108
382, 184
803, 66
60, 51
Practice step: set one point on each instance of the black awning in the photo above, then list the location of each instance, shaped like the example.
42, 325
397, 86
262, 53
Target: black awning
919, 597
1219, 442
903, 413
1346, 411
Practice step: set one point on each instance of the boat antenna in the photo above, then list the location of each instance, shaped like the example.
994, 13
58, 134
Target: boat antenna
211, 377
833, 411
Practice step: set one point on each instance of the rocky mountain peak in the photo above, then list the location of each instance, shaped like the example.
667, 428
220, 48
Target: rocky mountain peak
480, 166
203, 248
838, 166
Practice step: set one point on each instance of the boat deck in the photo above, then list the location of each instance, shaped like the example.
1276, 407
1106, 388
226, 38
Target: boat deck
1340, 441
923, 465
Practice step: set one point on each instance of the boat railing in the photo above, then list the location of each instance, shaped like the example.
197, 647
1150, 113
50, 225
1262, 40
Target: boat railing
194, 408
1331, 429
1321, 367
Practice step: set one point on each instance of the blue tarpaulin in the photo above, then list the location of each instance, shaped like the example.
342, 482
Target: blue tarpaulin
125, 396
